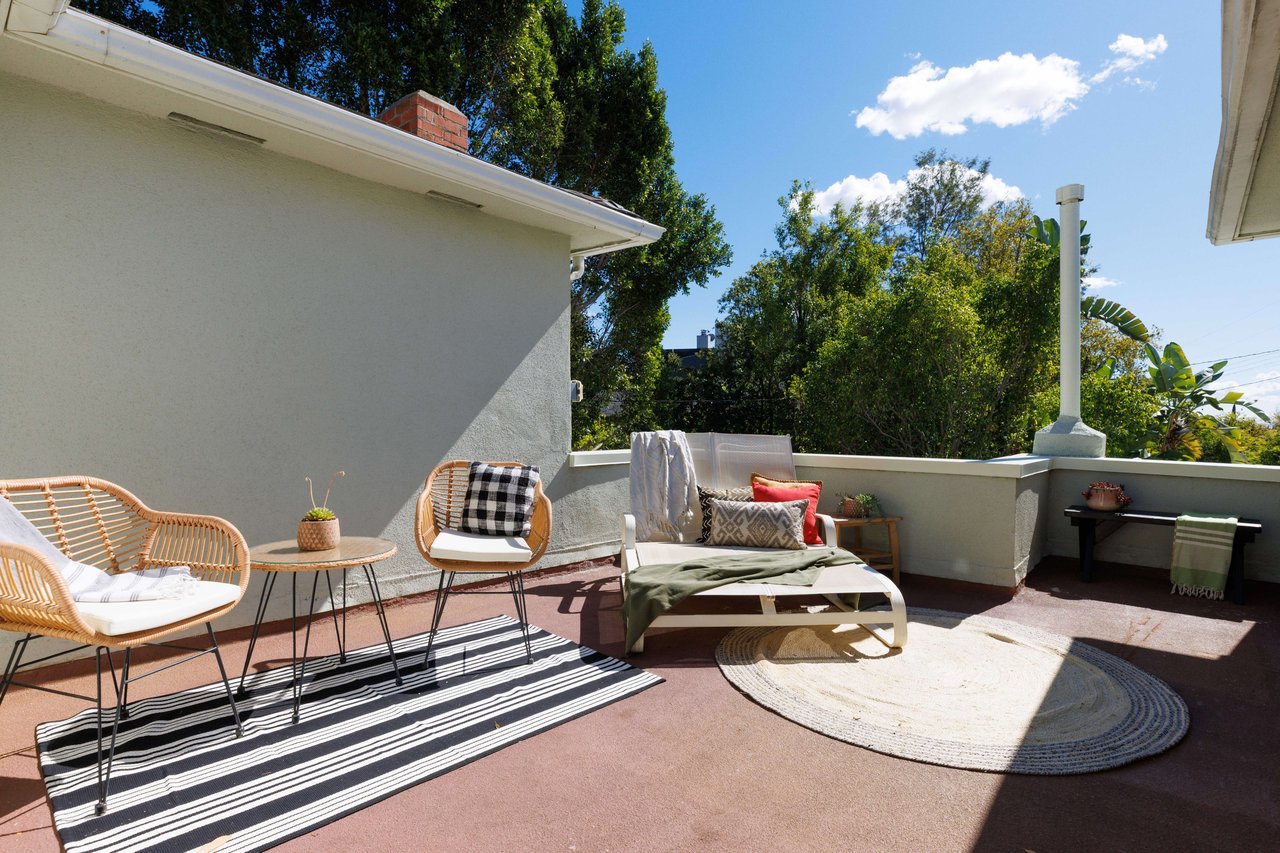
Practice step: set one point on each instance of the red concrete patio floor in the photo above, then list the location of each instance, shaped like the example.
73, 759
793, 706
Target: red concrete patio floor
694, 765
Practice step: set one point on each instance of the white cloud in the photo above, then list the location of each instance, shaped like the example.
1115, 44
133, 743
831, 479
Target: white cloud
879, 189
1130, 52
1097, 282
1005, 91
1263, 390
1009, 90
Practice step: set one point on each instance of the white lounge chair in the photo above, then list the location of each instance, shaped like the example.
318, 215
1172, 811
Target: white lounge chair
725, 461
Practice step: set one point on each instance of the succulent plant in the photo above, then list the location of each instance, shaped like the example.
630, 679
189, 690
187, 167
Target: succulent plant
321, 512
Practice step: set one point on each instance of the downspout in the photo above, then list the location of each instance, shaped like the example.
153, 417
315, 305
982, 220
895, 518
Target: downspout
577, 266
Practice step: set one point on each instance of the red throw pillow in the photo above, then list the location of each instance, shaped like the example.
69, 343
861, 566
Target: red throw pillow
811, 491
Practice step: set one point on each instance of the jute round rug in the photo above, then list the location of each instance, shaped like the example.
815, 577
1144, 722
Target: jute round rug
966, 691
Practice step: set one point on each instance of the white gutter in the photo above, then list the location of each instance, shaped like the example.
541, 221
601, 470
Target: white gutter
85, 37
1250, 68
33, 16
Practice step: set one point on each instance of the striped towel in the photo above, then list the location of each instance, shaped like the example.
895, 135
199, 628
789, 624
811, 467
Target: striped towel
1202, 554
89, 583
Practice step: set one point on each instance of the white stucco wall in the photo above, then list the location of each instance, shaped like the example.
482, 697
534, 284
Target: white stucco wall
204, 322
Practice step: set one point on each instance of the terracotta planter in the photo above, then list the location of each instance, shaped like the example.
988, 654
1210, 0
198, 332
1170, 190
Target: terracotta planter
318, 535
1105, 500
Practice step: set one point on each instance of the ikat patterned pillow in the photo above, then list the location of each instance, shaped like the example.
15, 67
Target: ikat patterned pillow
706, 496
758, 525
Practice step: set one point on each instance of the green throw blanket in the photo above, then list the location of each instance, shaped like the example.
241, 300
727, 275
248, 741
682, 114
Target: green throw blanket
1202, 554
653, 590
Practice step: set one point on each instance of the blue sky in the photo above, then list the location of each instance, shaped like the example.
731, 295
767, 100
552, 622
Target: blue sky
760, 93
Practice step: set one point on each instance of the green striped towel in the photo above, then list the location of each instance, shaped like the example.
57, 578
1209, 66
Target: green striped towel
1202, 554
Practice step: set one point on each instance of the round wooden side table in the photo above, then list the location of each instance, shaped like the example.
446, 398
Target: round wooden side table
276, 558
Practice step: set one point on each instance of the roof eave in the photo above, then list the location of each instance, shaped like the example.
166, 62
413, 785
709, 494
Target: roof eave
302, 126
1250, 64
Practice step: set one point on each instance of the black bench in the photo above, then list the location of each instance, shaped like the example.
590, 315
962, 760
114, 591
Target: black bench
1090, 522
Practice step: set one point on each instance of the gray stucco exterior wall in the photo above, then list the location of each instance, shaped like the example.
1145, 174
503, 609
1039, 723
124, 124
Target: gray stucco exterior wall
204, 322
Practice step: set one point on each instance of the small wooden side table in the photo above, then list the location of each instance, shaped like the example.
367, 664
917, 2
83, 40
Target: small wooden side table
876, 559
283, 557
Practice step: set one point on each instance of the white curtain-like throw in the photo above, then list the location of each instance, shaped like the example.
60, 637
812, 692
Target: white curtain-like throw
664, 488
89, 583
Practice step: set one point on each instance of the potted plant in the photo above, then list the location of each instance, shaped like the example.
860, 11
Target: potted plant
859, 506
1105, 497
318, 530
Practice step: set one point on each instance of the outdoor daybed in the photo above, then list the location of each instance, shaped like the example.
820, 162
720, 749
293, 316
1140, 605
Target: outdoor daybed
722, 461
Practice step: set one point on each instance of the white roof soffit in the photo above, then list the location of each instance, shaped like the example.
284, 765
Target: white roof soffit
1244, 198
44, 40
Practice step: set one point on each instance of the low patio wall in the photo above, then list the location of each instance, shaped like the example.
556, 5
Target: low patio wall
967, 520
1251, 491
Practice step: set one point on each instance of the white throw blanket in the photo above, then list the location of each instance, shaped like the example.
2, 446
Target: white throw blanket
664, 488
88, 583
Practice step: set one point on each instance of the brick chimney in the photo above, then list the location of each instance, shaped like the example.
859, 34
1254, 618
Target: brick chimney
430, 118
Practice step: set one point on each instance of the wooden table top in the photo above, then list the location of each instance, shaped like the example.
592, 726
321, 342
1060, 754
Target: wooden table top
284, 556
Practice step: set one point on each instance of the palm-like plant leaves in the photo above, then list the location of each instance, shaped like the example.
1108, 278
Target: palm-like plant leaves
1185, 393
1114, 314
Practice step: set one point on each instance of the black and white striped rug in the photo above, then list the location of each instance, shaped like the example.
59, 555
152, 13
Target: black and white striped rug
182, 780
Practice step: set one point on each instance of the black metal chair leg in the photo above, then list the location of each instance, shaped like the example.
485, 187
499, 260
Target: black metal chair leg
222, 670
267, 587
442, 595
15, 661
382, 619
522, 606
101, 807
124, 694
104, 778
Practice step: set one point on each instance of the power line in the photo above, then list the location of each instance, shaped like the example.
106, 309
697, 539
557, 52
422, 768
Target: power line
1229, 357
1253, 382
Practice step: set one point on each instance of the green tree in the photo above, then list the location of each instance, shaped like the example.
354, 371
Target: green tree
778, 313
942, 363
1185, 397
553, 97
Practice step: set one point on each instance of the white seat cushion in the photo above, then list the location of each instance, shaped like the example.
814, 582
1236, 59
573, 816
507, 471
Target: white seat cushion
114, 618
479, 548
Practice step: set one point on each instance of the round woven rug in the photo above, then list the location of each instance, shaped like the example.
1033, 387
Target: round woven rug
967, 691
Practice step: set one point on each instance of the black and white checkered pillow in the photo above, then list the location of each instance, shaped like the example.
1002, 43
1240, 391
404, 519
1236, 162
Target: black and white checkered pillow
499, 499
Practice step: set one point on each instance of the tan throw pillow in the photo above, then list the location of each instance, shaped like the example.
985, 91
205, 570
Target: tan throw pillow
771, 481
706, 496
758, 525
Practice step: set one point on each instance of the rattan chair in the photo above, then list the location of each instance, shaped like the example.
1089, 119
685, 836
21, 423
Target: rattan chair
436, 524
98, 523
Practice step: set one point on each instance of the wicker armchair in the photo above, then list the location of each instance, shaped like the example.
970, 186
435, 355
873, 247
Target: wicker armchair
438, 517
98, 523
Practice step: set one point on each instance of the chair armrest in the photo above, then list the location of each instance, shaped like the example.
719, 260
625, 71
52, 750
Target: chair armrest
213, 547
33, 595
827, 530
628, 530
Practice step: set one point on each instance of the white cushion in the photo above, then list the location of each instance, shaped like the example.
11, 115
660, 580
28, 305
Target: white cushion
127, 617
655, 553
479, 548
